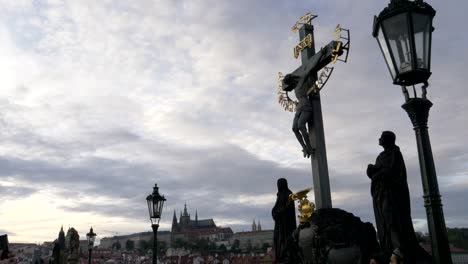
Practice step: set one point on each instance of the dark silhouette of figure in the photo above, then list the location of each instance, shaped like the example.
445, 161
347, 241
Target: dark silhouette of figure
301, 82
390, 194
285, 220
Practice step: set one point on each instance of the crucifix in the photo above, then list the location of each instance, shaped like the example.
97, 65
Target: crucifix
307, 83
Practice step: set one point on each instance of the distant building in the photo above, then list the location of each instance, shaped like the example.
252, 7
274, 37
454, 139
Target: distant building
256, 227
188, 229
109, 242
253, 239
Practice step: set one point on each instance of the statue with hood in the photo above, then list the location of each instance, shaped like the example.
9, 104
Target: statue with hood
284, 216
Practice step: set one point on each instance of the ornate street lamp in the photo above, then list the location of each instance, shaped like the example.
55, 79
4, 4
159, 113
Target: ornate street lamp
155, 205
91, 236
404, 33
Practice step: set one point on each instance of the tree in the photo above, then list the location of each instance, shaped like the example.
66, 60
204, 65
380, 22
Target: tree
200, 245
129, 245
162, 247
117, 245
180, 243
144, 245
265, 247
222, 248
235, 248
458, 237
249, 245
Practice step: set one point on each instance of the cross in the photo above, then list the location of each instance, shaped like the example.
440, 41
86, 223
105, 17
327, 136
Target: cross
305, 81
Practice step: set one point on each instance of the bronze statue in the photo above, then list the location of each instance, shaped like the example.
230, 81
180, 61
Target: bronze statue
285, 220
304, 111
304, 83
73, 246
391, 199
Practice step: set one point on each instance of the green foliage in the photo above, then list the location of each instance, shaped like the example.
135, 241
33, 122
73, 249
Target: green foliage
458, 237
265, 246
130, 245
117, 245
144, 245
222, 248
180, 243
235, 248
249, 245
200, 245
162, 247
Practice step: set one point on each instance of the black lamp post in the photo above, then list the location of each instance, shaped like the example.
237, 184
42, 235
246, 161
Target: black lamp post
404, 33
155, 206
90, 236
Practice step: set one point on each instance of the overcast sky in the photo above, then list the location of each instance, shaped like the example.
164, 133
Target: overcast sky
99, 100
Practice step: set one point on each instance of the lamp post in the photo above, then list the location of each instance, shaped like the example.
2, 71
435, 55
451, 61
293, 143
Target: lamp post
90, 236
155, 205
404, 33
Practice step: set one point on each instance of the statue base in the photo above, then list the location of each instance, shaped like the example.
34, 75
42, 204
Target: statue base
332, 235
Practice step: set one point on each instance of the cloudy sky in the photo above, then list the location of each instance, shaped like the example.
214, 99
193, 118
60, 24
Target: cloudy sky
101, 99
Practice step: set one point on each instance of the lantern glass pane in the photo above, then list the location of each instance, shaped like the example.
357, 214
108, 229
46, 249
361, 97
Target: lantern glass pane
156, 209
422, 31
150, 207
386, 52
396, 32
161, 204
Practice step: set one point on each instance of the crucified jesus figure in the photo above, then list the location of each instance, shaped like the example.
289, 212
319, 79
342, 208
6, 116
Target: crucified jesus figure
301, 80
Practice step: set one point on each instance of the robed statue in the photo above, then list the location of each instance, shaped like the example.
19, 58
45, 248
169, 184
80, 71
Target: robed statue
285, 220
391, 199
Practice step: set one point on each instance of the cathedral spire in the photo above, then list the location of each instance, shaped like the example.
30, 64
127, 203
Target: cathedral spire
196, 215
254, 226
185, 210
61, 239
259, 227
174, 218
174, 222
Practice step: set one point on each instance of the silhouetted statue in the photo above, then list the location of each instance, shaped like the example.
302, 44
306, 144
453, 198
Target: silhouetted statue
390, 194
55, 259
285, 220
301, 81
73, 246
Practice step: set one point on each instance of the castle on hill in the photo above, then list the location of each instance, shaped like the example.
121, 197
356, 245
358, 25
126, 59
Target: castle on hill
188, 229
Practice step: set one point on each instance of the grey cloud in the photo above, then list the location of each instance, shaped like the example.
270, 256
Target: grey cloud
245, 43
3, 231
15, 192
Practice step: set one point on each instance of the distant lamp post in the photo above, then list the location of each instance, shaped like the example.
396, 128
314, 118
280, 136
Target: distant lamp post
155, 205
404, 33
91, 236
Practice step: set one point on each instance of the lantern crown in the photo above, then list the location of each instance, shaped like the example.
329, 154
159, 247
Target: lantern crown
396, 7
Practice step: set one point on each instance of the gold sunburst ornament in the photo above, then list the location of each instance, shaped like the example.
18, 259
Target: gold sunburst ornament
306, 208
283, 98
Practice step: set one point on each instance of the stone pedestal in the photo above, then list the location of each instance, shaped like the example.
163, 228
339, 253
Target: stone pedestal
333, 235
